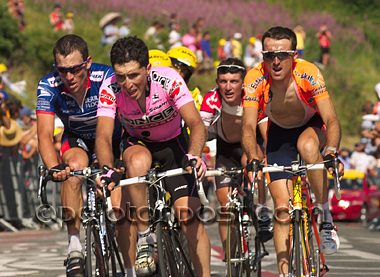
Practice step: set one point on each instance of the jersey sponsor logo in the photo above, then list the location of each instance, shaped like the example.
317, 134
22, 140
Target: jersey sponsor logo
54, 81
154, 120
45, 94
175, 89
91, 101
96, 76
253, 86
106, 98
114, 87
251, 98
212, 102
157, 107
309, 78
163, 81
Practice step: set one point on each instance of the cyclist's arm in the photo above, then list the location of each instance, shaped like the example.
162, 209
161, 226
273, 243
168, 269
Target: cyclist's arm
103, 141
330, 119
198, 133
249, 132
45, 132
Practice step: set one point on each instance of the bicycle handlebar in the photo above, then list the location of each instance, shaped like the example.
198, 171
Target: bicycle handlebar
153, 177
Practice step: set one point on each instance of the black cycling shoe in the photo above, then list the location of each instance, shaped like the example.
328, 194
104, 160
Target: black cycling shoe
74, 264
265, 227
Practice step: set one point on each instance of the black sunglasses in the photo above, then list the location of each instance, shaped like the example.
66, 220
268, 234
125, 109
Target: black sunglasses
281, 54
75, 69
230, 68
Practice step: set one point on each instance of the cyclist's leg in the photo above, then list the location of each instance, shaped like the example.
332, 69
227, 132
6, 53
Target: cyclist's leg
222, 193
71, 192
229, 155
279, 190
138, 160
309, 144
281, 149
195, 232
126, 231
72, 202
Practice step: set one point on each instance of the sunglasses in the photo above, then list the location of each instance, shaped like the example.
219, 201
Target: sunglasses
281, 54
230, 68
75, 69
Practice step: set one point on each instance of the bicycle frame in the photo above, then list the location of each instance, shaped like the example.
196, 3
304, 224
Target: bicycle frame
163, 223
94, 220
302, 260
249, 260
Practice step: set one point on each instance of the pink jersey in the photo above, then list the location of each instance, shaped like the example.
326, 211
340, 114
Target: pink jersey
162, 120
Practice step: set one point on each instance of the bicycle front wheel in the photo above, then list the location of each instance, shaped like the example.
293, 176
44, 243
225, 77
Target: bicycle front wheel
173, 258
295, 262
94, 250
234, 246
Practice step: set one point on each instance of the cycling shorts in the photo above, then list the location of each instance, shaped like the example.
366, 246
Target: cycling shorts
228, 155
282, 145
169, 154
70, 140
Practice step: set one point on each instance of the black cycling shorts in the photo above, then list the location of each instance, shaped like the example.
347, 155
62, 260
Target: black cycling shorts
169, 155
228, 155
70, 140
282, 145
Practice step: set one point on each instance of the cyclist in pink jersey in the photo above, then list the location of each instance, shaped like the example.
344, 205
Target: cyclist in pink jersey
151, 102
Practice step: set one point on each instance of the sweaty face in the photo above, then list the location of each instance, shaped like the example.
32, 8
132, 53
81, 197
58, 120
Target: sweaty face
132, 78
73, 71
279, 61
230, 86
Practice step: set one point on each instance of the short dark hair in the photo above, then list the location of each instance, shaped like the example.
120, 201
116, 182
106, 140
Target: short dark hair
70, 43
128, 49
280, 32
227, 66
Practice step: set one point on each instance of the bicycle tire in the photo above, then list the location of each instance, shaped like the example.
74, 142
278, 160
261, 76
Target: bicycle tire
234, 244
166, 259
93, 248
113, 250
295, 253
181, 253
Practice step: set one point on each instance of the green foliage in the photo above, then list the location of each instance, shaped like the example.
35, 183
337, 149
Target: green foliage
350, 77
11, 39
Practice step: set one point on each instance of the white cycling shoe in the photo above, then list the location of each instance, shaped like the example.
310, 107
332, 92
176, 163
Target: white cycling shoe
329, 238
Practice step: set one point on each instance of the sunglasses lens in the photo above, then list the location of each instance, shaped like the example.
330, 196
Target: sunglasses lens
73, 69
280, 55
230, 69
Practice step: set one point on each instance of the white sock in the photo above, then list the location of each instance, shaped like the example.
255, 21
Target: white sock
327, 217
74, 243
146, 237
130, 272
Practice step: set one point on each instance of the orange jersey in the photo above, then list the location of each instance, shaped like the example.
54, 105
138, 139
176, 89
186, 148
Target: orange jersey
310, 85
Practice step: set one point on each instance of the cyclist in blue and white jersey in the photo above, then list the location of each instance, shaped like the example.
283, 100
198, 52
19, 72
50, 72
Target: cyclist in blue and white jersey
71, 92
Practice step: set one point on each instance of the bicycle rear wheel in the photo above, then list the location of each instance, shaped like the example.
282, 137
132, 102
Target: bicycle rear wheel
94, 250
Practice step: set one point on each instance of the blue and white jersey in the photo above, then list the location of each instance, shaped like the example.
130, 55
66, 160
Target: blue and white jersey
78, 118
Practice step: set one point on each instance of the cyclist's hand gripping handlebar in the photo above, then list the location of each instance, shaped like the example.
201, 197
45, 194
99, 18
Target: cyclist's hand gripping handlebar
199, 184
335, 168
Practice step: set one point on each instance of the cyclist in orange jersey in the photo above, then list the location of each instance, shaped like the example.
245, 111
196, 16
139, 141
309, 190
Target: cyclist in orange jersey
302, 119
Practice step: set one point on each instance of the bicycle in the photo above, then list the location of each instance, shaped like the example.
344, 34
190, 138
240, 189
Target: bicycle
173, 258
240, 257
100, 239
305, 256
